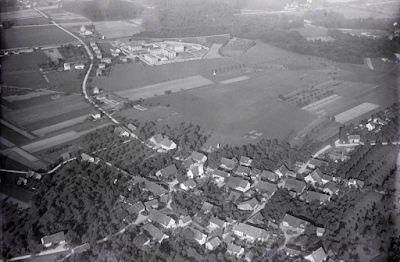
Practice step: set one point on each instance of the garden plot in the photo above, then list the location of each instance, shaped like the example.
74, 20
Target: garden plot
355, 112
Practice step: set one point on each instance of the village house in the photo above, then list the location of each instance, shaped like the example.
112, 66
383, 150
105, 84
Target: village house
248, 205
65, 156
79, 66
255, 174
96, 90
291, 251
326, 179
102, 66
331, 188
106, 60
227, 164
188, 184
151, 204
67, 66
156, 139
99, 72
162, 219
268, 175
216, 223
250, 233
318, 255
198, 157
188, 163
155, 233
54, 239
185, 221
132, 127
245, 161
235, 250
119, 131
234, 195
294, 223
124, 59
99, 56
266, 188
238, 184
207, 207
370, 126
167, 144
136, 208
153, 187
220, 175
167, 171
299, 164
353, 139
310, 196
199, 236
86, 158
320, 231
195, 171
213, 243
282, 171
314, 163
294, 185
242, 171
380, 121
315, 177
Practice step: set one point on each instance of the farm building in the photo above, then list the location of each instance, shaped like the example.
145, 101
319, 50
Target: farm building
79, 66
150, 58
132, 127
67, 66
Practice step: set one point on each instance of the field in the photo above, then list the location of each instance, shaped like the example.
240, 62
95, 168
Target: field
235, 47
311, 32
234, 80
114, 29
48, 129
355, 112
39, 112
33, 36
160, 89
378, 64
66, 81
23, 14
350, 13
133, 75
29, 61
30, 21
24, 79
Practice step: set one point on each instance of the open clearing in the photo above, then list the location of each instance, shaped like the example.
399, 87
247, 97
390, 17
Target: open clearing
52, 128
23, 61
133, 75
233, 80
42, 111
22, 14
23, 79
160, 89
67, 81
33, 36
235, 47
355, 112
213, 52
114, 29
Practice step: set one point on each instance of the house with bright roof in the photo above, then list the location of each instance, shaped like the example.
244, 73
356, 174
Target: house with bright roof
294, 223
54, 239
213, 243
250, 233
195, 171
245, 161
248, 205
155, 233
164, 220
318, 255
227, 164
198, 157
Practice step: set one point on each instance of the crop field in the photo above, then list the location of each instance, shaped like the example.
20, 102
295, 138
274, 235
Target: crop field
213, 52
355, 112
39, 112
33, 36
234, 80
217, 39
66, 81
30, 21
160, 89
31, 99
13, 136
114, 29
311, 31
264, 53
133, 75
16, 156
48, 129
232, 112
23, 79
22, 14
156, 114
26, 61
350, 13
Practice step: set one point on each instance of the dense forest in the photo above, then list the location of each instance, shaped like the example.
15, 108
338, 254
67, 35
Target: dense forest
100, 10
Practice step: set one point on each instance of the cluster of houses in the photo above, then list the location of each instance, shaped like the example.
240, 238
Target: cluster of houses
58, 239
23, 181
85, 32
162, 143
78, 66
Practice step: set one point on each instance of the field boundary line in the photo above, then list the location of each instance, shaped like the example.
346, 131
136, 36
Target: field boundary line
16, 129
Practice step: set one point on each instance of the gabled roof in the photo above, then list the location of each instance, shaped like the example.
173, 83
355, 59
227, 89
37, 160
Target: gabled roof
292, 251
352, 137
252, 203
318, 255
295, 185
255, 172
198, 157
234, 248
217, 221
295, 222
316, 175
220, 173
166, 142
244, 160
195, 169
54, 238
151, 203
156, 189
207, 206
248, 230
332, 186
268, 175
283, 170
311, 196
136, 208
186, 219
360, 183
257, 219
266, 187
188, 162
214, 242
154, 232
199, 236
228, 163
233, 182
234, 194
242, 170
327, 177
159, 217
158, 138
318, 162
189, 183
118, 130
291, 174
169, 171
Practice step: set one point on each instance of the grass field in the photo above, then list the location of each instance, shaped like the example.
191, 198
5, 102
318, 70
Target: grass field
61, 125
114, 29
31, 79
213, 52
33, 36
235, 47
311, 31
24, 61
355, 112
160, 89
39, 112
66, 81
22, 14
30, 21
126, 76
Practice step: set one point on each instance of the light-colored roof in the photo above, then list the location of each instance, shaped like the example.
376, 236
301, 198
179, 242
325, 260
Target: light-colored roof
228, 163
252, 203
245, 160
159, 217
318, 255
54, 238
295, 222
266, 187
198, 156
154, 232
248, 230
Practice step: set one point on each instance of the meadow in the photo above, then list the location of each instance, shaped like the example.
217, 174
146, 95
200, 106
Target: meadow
30, 21
33, 36
22, 14
28, 61
66, 81
114, 29
31, 79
